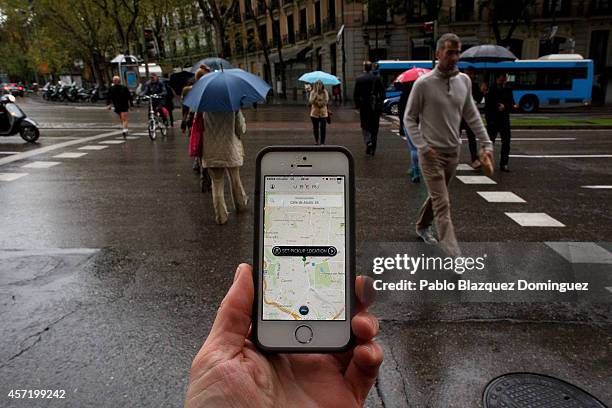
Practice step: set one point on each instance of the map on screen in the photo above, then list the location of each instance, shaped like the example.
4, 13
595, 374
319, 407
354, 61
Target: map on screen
304, 248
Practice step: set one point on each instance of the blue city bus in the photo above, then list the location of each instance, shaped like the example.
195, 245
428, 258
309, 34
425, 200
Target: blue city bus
554, 80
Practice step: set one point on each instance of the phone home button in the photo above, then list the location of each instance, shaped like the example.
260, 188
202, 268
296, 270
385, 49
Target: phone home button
303, 334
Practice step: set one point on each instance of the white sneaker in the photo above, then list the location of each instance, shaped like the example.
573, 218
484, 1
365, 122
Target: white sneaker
427, 235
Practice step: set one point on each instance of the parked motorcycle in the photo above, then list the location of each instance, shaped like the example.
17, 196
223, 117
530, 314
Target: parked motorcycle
13, 120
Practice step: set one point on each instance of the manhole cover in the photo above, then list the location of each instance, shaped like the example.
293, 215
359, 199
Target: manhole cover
524, 390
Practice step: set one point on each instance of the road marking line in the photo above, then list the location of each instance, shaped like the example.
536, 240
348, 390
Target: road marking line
601, 187
581, 252
36, 152
69, 155
40, 165
8, 153
562, 156
17, 253
609, 288
11, 176
93, 147
500, 197
534, 219
538, 139
111, 142
141, 134
475, 180
464, 167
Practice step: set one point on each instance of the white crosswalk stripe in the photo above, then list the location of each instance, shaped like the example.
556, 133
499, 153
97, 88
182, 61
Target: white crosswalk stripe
501, 197
475, 180
581, 252
40, 165
93, 147
534, 219
11, 176
110, 142
69, 155
464, 167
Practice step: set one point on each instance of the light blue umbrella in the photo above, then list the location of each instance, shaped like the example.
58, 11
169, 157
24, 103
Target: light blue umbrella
312, 77
226, 91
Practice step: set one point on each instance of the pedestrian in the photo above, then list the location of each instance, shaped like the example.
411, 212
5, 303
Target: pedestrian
169, 103
229, 371
477, 95
498, 104
318, 100
154, 87
196, 133
437, 103
186, 114
306, 92
121, 98
223, 152
337, 94
415, 172
369, 95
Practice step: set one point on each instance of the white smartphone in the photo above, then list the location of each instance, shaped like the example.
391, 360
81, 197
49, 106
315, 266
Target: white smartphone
304, 252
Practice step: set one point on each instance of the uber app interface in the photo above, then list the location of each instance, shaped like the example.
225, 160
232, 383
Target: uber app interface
304, 248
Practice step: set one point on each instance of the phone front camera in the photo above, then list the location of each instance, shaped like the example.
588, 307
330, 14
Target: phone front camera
304, 158
292, 165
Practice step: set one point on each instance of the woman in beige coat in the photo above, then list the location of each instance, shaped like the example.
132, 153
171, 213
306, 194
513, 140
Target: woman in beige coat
318, 100
223, 151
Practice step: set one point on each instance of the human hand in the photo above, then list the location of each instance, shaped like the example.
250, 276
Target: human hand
430, 153
501, 107
230, 371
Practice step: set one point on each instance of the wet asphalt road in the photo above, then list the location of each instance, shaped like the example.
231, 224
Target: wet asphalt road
111, 265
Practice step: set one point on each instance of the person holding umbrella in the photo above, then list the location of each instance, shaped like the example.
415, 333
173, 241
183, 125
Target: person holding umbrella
318, 100
221, 95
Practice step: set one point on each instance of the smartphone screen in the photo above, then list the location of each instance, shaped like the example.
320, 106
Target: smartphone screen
304, 248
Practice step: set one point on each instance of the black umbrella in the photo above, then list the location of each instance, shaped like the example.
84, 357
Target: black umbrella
178, 80
487, 53
213, 63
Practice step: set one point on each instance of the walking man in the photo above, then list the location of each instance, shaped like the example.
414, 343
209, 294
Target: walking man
477, 95
437, 103
369, 96
498, 105
121, 98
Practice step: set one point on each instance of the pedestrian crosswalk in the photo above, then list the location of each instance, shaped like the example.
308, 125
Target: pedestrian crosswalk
15, 156
524, 219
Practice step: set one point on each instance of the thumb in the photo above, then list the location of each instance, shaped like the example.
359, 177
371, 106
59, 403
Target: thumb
233, 320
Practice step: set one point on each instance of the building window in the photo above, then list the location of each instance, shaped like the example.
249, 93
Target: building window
263, 34
464, 10
290, 29
276, 32
332, 58
557, 8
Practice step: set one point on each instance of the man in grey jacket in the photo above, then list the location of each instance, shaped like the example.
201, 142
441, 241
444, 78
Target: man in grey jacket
437, 103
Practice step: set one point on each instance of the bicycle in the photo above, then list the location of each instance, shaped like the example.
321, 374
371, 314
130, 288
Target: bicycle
156, 122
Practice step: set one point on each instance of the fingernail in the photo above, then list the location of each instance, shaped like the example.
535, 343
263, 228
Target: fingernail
237, 273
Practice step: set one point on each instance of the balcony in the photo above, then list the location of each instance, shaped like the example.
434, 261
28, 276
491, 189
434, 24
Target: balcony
301, 35
328, 25
314, 30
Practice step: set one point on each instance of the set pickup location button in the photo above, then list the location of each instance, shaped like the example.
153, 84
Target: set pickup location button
304, 251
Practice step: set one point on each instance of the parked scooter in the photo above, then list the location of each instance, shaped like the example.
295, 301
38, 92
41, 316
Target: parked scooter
13, 120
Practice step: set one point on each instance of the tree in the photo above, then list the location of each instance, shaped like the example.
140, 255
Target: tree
512, 12
219, 16
123, 14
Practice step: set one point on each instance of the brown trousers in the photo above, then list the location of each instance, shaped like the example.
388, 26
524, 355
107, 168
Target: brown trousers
438, 174
217, 175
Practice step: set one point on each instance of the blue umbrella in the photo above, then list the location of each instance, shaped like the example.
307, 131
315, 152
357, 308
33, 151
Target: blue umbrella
213, 63
226, 91
312, 77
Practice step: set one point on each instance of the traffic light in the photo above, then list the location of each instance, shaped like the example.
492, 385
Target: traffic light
150, 43
428, 31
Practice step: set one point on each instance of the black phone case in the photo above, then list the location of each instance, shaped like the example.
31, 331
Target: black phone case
256, 259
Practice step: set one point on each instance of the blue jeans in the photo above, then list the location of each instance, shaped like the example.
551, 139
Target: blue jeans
414, 157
